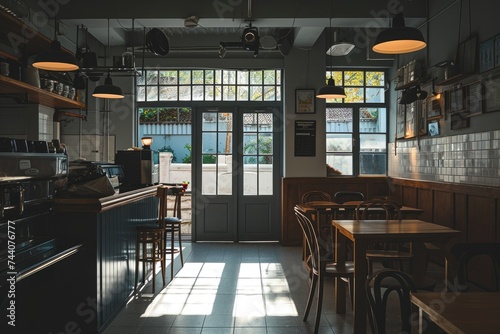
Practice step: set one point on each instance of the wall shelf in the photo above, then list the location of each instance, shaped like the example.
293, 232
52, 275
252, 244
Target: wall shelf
37, 95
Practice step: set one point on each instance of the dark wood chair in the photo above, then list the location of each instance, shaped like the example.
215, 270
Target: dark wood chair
387, 253
465, 253
348, 196
315, 195
378, 288
320, 269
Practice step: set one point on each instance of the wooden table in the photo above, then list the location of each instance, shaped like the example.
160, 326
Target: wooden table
460, 313
365, 232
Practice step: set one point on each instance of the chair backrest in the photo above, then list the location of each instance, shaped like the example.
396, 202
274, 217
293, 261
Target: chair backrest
465, 252
161, 193
315, 195
311, 239
378, 288
378, 209
347, 196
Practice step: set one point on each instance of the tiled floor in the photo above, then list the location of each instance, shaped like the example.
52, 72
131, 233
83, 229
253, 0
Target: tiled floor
231, 288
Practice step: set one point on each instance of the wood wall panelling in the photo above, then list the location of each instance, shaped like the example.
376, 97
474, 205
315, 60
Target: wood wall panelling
460, 215
424, 201
442, 208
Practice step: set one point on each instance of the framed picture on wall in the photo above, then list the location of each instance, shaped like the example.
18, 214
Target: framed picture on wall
474, 98
433, 128
497, 51
400, 121
304, 101
411, 120
434, 106
486, 55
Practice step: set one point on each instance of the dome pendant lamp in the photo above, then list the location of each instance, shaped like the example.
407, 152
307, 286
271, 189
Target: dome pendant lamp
399, 39
55, 59
330, 91
108, 90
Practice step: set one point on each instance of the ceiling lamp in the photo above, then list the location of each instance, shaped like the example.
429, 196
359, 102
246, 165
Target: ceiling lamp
55, 59
342, 48
108, 90
330, 91
399, 38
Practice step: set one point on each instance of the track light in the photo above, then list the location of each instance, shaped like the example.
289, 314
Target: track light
250, 39
222, 51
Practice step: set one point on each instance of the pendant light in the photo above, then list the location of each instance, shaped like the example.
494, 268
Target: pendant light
330, 91
55, 59
399, 38
108, 90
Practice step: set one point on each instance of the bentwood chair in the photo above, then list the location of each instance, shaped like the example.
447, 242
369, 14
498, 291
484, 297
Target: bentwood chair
386, 253
466, 253
348, 196
378, 288
320, 269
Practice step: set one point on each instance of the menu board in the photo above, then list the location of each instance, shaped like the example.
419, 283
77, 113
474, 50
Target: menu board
305, 138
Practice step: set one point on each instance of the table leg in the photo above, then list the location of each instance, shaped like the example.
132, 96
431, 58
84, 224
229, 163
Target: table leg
420, 321
340, 257
360, 273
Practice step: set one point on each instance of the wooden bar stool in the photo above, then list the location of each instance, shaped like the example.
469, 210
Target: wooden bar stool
150, 244
172, 226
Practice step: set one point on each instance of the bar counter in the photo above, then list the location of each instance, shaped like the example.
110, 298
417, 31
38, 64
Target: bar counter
106, 228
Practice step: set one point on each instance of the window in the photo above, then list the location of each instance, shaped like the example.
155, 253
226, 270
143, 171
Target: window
209, 85
356, 126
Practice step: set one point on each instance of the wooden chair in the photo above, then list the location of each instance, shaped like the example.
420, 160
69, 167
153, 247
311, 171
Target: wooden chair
315, 195
172, 226
150, 243
347, 196
320, 269
464, 253
387, 253
378, 288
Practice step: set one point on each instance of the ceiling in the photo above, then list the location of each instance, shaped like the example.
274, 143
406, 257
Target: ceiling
291, 23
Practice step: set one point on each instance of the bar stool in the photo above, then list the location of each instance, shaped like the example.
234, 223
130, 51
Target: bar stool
150, 242
172, 226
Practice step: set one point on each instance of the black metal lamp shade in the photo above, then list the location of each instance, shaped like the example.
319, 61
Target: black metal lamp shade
108, 90
55, 59
330, 91
399, 39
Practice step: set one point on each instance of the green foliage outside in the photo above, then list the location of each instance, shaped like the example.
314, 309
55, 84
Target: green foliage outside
264, 145
207, 158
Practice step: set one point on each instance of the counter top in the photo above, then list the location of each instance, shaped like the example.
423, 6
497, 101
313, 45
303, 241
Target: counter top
104, 203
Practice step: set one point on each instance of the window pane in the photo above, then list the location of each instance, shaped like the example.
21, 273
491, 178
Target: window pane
354, 95
152, 94
243, 77
373, 163
341, 162
250, 176
265, 143
256, 77
255, 93
225, 175
185, 77
140, 79
198, 93
225, 121
218, 76
229, 77
375, 95
266, 175
242, 93
198, 77
278, 93
224, 142
209, 77
250, 143
141, 94
339, 142
209, 143
168, 93
265, 122
184, 93
209, 93
168, 77
375, 79
218, 93
269, 77
229, 93
269, 93
372, 142
209, 121
339, 119
372, 120
151, 77
354, 78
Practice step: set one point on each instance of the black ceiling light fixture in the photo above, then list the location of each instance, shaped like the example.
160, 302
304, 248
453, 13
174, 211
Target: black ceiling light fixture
108, 90
55, 59
330, 91
399, 38
250, 39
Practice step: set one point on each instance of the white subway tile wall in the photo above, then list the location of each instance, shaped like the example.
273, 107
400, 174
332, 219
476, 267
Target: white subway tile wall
472, 158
